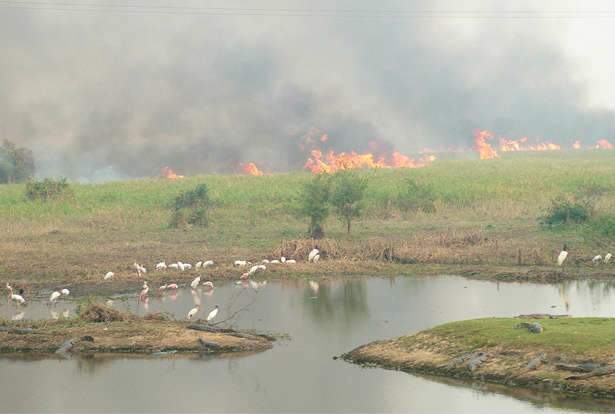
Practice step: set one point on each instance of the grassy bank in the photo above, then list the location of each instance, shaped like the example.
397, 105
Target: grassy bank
486, 216
573, 355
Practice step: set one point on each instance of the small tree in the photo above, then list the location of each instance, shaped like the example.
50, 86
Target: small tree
415, 196
16, 164
48, 189
347, 196
314, 199
191, 208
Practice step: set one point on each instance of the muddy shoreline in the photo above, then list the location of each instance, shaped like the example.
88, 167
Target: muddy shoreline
133, 335
527, 364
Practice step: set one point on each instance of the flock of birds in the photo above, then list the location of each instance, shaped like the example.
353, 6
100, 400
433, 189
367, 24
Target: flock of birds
313, 257
563, 255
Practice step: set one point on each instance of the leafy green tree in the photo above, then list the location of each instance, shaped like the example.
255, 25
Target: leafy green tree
415, 196
16, 163
347, 194
313, 200
191, 208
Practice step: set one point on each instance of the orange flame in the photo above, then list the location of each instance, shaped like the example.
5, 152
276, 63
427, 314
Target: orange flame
604, 144
485, 151
509, 145
576, 145
251, 169
169, 174
333, 162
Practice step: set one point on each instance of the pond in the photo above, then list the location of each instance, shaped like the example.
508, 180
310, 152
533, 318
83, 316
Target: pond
324, 318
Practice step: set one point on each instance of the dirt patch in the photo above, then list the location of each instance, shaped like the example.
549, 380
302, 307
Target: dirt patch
95, 312
134, 335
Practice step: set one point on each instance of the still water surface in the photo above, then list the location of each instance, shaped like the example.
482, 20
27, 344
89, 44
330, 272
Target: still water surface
300, 374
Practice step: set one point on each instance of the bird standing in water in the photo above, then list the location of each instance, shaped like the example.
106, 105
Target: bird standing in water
212, 314
562, 256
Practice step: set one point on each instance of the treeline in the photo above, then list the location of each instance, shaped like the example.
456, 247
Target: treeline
16, 163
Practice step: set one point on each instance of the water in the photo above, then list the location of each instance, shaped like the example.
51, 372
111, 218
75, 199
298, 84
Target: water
300, 374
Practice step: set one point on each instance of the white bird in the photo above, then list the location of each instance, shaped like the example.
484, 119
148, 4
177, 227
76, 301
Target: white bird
174, 266
187, 266
195, 282
18, 316
161, 266
172, 286
608, 258
283, 259
140, 269
275, 261
209, 284
316, 258
312, 254
65, 292
291, 261
265, 260
144, 291
54, 296
208, 263
212, 314
562, 256
198, 265
14, 297
597, 259
163, 287
193, 312
253, 270
240, 263
109, 302
109, 275
181, 266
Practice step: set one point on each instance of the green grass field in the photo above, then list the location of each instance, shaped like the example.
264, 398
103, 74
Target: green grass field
486, 214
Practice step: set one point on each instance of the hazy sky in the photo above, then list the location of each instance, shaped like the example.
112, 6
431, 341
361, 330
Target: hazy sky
121, 88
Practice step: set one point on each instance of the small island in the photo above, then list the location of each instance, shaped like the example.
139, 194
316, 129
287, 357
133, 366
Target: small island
548, 352
99, 329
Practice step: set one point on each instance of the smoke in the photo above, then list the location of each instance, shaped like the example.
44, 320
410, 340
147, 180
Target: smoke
107, 95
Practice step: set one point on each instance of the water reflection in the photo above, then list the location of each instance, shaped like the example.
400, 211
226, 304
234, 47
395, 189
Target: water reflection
323, 318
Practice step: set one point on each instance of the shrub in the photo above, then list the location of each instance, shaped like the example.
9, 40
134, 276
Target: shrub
16, 164
415, 196
567, 209
604, 225
313, 204
347, 196
48, 189
191, 208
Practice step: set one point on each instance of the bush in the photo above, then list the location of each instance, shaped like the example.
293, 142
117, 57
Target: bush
48, 189
313, 204
415, 196
16, 164
567, 209
604, 225
347, 196
191, 208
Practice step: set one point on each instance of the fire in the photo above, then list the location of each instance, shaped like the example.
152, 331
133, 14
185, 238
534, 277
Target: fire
485, 151
509, 145
251, 169
333, 162
576, 145
604, 144
169, 174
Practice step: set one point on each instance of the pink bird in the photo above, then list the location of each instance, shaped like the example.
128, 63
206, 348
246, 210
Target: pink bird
172, 286
244, 276
208, 285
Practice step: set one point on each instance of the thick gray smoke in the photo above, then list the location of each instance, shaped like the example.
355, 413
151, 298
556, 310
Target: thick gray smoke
99, 95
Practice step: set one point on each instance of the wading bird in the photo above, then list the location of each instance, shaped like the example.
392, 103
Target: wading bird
195, 282
172, 286
240, 263
14, 297
282, 259
174, 266
212, 314
65, 292
608, 258
208, 263
163, 287
144, 291
161, 266
265, 260
208, 285
193, 312
198, 265
597, 259
54, 295
316, 258
108, 276
562, 256
312, 254
275, 261
291, 261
